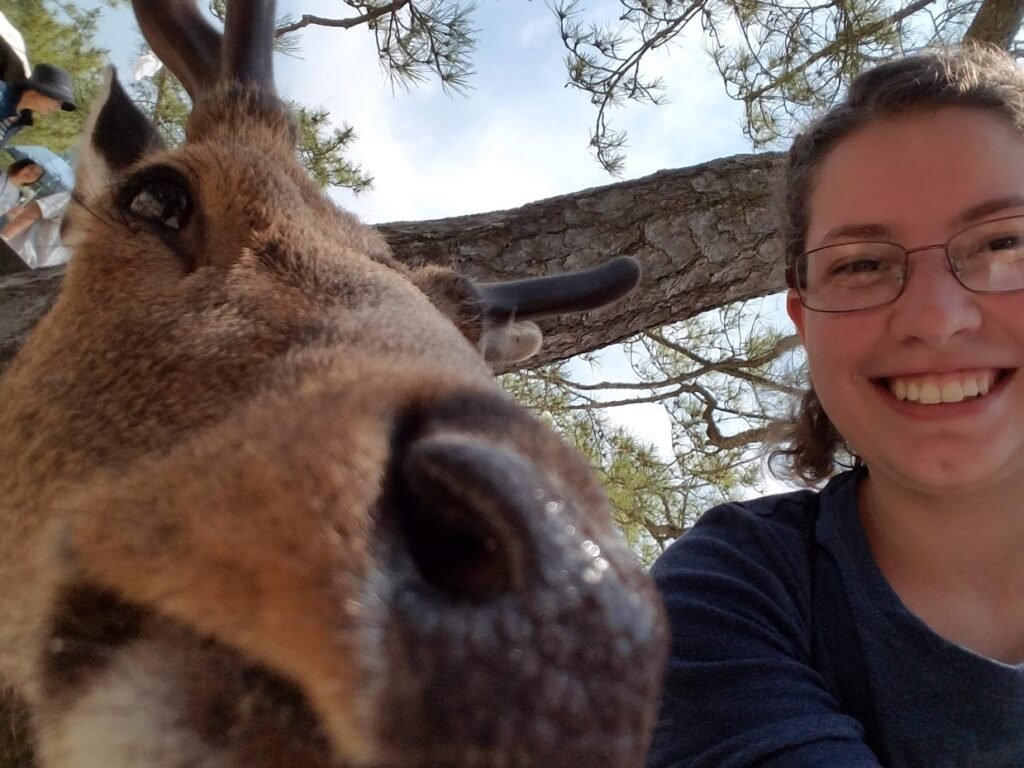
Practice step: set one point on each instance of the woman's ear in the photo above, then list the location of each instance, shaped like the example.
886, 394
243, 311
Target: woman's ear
795, 309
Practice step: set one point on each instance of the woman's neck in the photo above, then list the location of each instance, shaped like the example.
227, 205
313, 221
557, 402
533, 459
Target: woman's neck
953, 558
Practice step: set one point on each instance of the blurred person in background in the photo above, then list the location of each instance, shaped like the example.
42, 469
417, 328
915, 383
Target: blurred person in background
34, 233
14, 183
47, 90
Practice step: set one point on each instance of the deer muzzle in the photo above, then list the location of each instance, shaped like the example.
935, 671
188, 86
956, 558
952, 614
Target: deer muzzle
431, 586
519, 633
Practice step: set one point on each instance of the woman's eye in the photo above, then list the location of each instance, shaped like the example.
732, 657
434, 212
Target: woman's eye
1002, 243
162, 201
856, 266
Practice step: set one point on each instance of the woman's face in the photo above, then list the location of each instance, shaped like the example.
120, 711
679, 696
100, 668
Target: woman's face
917, 180
30, 174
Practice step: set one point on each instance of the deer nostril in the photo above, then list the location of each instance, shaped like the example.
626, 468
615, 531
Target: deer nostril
463, 507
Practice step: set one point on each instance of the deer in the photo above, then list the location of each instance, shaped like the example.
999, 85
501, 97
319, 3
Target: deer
262, 500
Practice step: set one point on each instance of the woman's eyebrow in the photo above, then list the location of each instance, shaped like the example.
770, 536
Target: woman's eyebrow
987, 208
867, 231
858, 231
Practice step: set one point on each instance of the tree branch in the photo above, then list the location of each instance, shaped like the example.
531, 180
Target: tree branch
705, 236
308, 20
838, 44
738, 367
658, 397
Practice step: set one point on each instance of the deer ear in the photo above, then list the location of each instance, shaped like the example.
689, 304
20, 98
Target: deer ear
496, 316
116, 136
499, 339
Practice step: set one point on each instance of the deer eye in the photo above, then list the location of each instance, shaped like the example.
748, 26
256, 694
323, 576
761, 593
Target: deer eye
162, 200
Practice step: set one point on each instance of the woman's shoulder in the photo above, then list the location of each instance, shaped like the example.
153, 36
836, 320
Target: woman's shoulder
791, 510
753, 557
741, 685
764, 529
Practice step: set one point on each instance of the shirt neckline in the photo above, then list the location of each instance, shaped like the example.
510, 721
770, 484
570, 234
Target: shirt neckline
839, 530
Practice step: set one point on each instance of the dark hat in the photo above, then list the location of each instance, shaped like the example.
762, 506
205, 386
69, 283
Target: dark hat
53, 82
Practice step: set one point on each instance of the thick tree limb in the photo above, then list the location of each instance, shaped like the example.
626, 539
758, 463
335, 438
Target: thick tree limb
705, 236
997, 21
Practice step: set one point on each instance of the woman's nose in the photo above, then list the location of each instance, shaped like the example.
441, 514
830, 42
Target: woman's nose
934, 307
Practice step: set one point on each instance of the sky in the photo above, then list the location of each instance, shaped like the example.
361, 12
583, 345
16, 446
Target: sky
519, 135
516, 136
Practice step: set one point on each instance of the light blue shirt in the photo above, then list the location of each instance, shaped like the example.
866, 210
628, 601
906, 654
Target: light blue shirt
10, 120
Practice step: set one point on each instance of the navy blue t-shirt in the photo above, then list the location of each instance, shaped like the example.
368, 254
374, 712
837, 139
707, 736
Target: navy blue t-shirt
790, 649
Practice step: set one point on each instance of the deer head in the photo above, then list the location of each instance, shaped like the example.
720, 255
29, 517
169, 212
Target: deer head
262, 502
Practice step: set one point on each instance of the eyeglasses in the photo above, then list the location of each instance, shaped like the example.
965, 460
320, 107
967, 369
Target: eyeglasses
984, 258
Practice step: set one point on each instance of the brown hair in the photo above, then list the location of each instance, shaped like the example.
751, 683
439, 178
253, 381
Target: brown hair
810, 448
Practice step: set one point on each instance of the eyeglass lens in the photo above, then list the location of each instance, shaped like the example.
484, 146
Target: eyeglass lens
987, 257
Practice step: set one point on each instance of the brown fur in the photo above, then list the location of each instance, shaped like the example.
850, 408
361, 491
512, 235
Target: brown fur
197, 451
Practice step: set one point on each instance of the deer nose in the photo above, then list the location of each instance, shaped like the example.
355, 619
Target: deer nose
464, 510
519, 630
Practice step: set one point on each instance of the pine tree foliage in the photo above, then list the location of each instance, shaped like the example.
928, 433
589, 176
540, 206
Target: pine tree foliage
164, 101
323, 150
416, 39
784, 61
722, 378
794, 61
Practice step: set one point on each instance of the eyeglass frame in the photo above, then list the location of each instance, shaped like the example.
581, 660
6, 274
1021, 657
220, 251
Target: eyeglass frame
793, 282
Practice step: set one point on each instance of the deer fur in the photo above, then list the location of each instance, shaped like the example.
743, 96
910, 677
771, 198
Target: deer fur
261, 501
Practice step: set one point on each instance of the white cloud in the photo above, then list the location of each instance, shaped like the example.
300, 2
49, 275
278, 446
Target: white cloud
518, 136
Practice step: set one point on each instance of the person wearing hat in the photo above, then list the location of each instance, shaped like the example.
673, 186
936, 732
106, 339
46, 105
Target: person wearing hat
48, 89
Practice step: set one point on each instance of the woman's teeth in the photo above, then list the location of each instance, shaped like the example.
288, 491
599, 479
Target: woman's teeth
929, 389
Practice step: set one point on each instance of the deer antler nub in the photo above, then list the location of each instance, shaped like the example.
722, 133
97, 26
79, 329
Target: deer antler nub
249, 42
556, 294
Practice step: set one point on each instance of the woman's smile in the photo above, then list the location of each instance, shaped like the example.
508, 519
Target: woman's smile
948, 395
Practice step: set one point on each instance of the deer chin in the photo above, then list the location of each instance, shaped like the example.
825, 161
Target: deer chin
168, 698
148, 692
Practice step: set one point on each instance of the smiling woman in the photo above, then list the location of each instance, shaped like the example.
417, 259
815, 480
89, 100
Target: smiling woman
879, 622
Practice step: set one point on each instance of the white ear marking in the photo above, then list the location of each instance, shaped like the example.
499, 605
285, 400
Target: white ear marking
511, 342
93, 174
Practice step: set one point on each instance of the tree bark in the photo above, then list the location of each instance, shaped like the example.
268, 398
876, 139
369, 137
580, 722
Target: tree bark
704, 235
997, 21
24, 298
